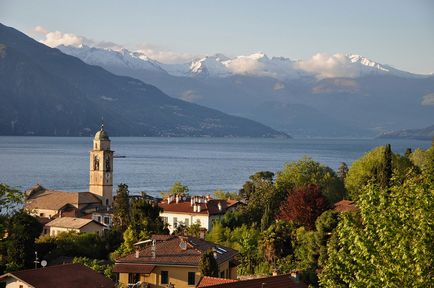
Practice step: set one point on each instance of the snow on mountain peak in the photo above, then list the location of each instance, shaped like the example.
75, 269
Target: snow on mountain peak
320, 65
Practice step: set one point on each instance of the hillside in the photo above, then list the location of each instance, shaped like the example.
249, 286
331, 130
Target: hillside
353, 97
420, 134
45, 92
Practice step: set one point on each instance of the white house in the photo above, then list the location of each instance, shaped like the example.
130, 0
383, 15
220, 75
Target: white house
187, 210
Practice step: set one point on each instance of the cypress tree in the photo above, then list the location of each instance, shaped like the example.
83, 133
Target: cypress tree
387, 170
208, 264
121, 208
408, 152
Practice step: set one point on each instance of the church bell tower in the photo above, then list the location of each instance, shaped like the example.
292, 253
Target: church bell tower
101, 167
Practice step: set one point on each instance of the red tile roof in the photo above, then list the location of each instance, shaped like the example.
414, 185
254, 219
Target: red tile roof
209, 208
133, 268
65, 276
281, 281
169, 252
345, 206
210, 281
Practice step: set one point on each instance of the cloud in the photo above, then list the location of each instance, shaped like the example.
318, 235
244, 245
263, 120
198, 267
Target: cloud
57, 38
329, 66
164, 56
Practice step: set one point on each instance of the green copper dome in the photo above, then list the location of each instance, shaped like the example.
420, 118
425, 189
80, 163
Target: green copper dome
101, 134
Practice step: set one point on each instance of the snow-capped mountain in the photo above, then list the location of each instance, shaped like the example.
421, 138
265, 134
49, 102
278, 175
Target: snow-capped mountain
117, 58
320, 66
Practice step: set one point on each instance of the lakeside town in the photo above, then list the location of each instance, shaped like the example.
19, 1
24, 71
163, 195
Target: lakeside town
295, 228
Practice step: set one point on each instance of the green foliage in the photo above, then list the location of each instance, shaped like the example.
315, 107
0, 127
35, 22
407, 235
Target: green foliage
10, 199
121, 208
127, 246
100, 266
342, 171
145, 220
307, 171
20, 243
276, 241
389, 243
372, 167
73, 244
208, 264
220, 194
177, 188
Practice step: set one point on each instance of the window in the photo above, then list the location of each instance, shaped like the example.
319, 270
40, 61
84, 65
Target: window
106, 220
41, 215
98, 218
164, 277
191, 278
186, 222
133, 278
222, 274
175, 222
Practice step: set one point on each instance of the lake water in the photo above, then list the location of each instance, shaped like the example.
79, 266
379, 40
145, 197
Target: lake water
153, 164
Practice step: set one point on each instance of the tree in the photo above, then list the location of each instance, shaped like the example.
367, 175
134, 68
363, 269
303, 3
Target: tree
96, 265
145, 219
208, 264
23, 229
342, 171
372, 167
389, 243
307, 171
121, 208
276, 241
386, 169
220, 194
255, 180
10, 198
304, 205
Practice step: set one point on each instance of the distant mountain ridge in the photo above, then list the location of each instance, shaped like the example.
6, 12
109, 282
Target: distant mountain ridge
45, 92
256, 64
419, 134
348, 96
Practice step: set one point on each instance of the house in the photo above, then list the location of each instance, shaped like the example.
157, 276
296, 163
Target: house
280, 281
169, 259
65, 276
345, 206
186, 210
79, 225
46, 203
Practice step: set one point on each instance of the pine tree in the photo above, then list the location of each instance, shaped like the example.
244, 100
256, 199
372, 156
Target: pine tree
342, 171
408, 152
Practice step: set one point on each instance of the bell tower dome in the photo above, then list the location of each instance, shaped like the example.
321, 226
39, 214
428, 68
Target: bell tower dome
101, 167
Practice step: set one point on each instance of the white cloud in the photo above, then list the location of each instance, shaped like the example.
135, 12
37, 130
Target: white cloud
40, 29
328, 66
164, 56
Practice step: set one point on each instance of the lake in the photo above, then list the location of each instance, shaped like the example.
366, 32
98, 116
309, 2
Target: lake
153, 164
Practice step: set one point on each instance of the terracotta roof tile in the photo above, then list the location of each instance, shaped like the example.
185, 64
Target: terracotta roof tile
133, 268
54, 200
65, 276
170, 252
281, 281
210, 281
70, 222
209, 208
345, 206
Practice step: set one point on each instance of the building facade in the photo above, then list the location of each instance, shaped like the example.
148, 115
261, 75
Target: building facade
166, 260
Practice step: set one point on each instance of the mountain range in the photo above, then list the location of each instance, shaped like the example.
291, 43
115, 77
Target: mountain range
341, 95
421, 134
46, 92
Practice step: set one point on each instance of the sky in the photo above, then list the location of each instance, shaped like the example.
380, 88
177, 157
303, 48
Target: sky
398, 33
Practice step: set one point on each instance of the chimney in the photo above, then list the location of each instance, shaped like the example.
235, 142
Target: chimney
219, 205
191, 201
214, 253
194, 207
275, 272
198, 208
295, 276
177, 199
169, 199
137, 253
